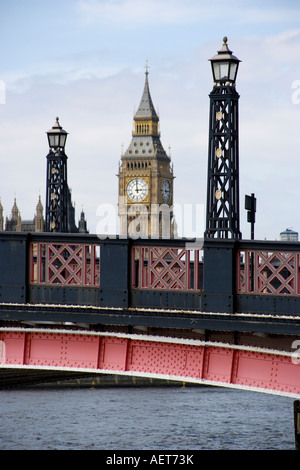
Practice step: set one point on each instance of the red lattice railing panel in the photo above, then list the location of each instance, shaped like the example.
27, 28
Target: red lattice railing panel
269, 272
165, 268
65, 264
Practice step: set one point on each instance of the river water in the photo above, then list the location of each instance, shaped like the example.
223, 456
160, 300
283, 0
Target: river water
141, 418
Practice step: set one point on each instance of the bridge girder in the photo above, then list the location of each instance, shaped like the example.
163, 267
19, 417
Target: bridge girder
178, 359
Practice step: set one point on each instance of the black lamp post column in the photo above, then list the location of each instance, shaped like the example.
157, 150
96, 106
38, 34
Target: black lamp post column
222, 211
57, 186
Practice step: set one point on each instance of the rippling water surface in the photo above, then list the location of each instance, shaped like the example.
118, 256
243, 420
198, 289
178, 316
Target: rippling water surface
142, 418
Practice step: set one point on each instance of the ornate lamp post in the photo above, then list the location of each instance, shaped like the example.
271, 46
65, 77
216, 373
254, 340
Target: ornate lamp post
222, 211
57, 137
57, 186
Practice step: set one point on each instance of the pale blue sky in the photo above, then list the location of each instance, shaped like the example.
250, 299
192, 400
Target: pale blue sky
83, 60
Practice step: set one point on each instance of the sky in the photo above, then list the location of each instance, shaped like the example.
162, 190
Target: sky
84, 61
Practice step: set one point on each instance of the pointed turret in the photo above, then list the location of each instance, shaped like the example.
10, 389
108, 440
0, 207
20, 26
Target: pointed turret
15, 211
39, 218
146, 108
146, 136
82, 225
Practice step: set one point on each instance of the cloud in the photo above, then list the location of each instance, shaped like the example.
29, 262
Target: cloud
139, 13
284, 46
95, 84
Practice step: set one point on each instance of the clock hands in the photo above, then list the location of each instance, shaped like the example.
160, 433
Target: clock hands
137, 189
166, 191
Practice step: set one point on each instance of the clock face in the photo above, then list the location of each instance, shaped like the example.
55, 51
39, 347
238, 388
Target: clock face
137, 190
166, 190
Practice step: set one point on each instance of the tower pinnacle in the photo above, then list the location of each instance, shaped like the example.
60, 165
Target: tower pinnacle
146, 108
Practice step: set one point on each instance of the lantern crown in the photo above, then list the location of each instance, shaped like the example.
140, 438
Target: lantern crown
224, 65
57, 136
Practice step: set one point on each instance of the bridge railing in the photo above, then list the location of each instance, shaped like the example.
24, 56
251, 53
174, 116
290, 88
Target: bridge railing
166, 267
251, 276
81, 269
269, 272
77, 269
268, 276
166, 274
65, 264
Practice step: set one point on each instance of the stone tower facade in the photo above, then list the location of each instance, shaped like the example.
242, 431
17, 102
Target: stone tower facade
146, 178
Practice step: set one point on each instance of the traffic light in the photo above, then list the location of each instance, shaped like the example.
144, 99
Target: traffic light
250, 206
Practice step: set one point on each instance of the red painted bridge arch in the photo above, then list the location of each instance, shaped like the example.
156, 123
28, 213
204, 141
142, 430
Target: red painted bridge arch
195, 361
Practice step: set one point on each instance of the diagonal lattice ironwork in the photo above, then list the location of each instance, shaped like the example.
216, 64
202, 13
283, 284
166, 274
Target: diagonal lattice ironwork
165, 268
65, 264
168, 269
264, 272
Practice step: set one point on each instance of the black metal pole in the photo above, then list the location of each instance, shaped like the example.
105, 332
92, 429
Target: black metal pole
252, 238
250, 205
297, 424
253, 215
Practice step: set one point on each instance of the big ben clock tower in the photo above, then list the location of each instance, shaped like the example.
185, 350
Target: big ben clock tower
146, 178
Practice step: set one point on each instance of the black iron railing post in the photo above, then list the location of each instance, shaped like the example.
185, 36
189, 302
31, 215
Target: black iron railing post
114, 273
13, 267
219, 276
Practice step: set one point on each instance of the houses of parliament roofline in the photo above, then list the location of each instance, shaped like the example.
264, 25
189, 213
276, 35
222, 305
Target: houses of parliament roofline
16, 224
